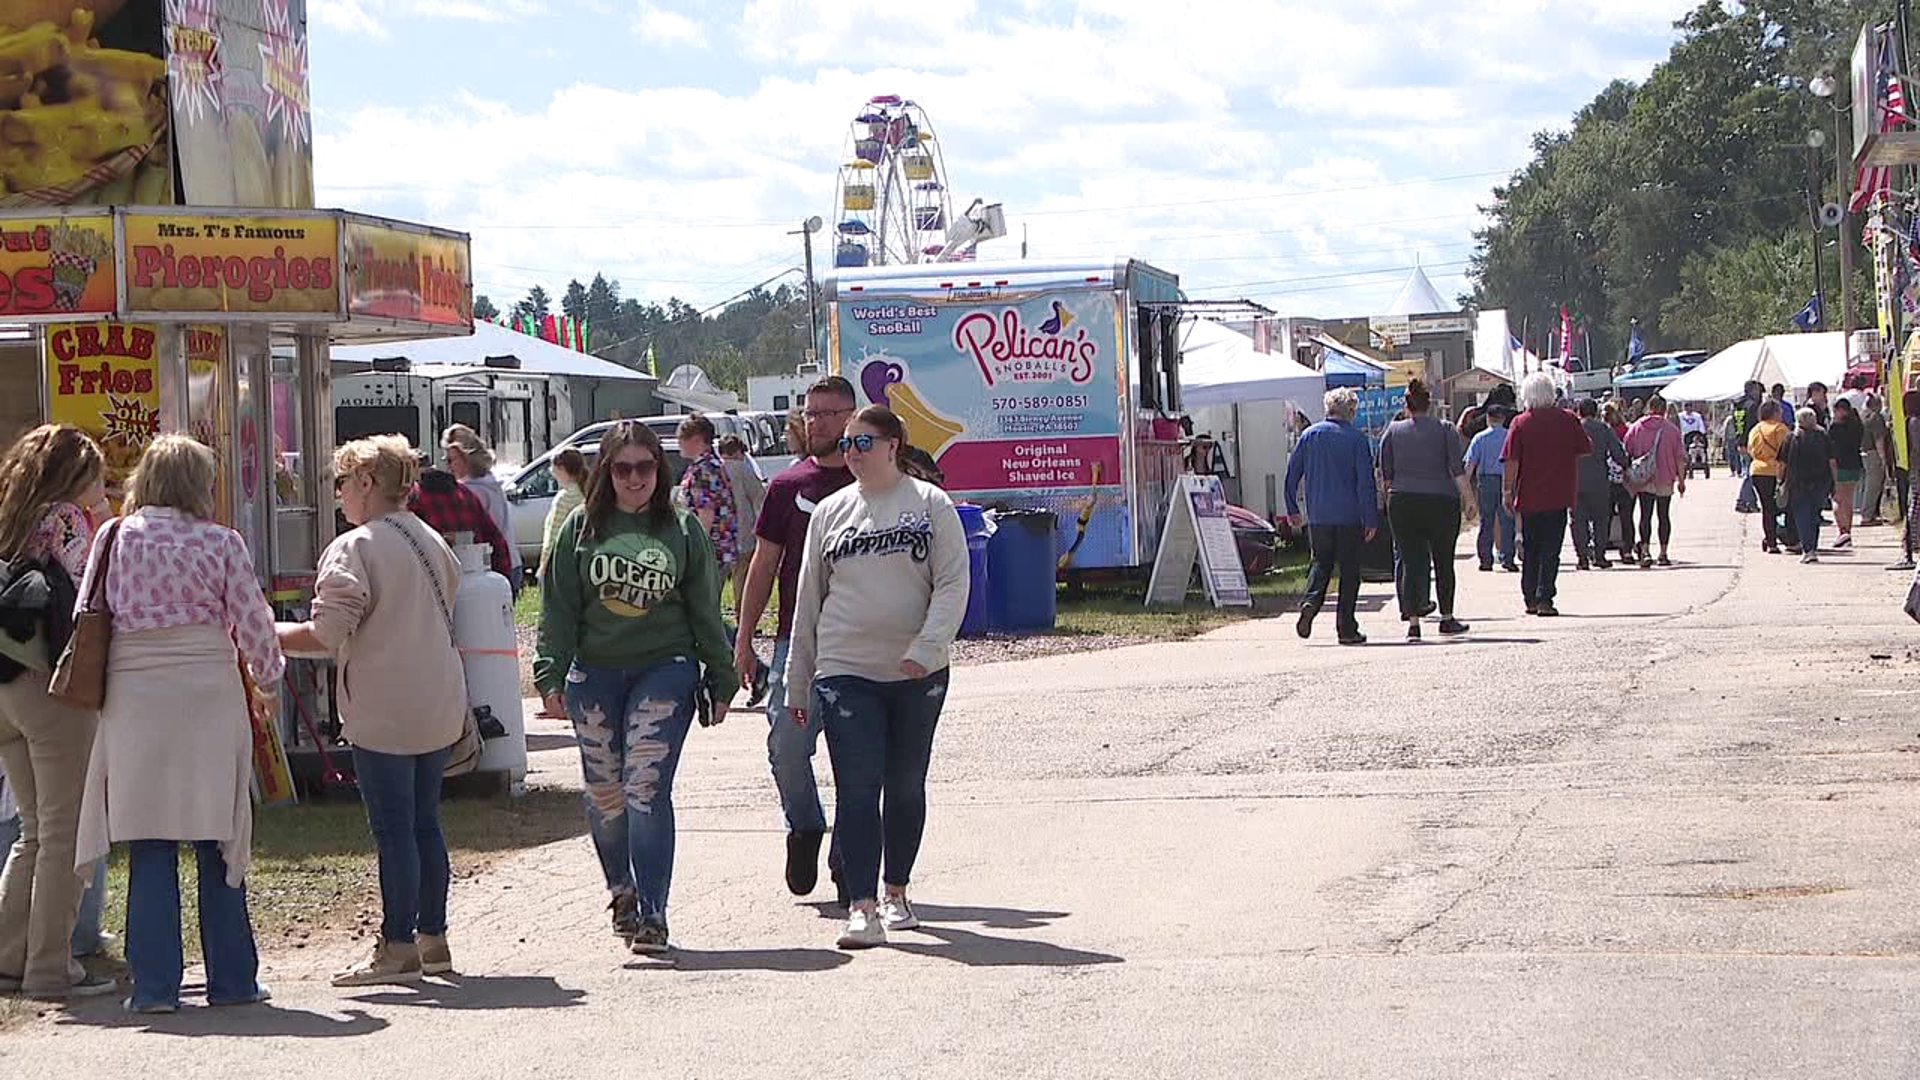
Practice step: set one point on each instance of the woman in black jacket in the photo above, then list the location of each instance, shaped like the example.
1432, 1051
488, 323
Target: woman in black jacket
1809, 480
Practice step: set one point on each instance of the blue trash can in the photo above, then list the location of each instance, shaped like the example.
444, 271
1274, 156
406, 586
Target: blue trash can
1022, 557
973, 522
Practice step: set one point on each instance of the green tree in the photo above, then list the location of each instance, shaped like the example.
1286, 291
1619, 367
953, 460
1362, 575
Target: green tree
483, 308
574, 303
537, 305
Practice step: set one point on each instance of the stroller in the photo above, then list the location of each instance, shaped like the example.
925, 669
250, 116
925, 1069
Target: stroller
1697, 455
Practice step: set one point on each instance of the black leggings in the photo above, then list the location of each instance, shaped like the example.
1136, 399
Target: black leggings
1622, 509
1768, 488
1648, 503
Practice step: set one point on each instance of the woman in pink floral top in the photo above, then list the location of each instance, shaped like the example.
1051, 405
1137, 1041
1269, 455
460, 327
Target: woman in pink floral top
45, 479
173, 763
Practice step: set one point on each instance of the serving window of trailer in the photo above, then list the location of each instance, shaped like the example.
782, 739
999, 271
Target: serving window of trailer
1156, 372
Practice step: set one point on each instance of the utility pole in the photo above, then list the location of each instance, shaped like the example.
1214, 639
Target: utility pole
1813, 231
806, 230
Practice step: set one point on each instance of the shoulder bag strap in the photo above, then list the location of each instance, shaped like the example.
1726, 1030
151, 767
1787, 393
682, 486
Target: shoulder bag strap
439, 595
97, 596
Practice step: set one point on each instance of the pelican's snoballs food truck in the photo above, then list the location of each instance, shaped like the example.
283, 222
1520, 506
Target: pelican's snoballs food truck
1051, 386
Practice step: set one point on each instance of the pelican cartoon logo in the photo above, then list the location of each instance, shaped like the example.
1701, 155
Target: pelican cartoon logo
1007, 350
885, 382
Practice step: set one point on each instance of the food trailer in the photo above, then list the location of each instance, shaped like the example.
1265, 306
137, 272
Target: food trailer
1052, 386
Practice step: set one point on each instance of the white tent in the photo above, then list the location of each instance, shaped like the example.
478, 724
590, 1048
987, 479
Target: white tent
1418, 297
1792, 359
1219, 366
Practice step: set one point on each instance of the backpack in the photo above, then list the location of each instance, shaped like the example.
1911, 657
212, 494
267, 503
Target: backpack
1641, 470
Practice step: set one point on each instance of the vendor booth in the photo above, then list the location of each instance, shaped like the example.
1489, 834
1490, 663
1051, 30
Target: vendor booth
1794, 360
1252, 403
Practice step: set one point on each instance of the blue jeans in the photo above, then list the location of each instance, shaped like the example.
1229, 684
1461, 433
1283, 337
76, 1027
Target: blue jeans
86, 932
1542, 535
790, 750
153, 926
1493, 515
402, 796
880, 737
1805, 507
632, 724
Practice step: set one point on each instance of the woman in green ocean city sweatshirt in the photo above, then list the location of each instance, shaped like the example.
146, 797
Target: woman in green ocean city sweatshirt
630, 612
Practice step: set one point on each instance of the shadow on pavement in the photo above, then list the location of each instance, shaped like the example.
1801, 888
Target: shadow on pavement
792, 961
481, 992
991, 918
254, 1020
979, 950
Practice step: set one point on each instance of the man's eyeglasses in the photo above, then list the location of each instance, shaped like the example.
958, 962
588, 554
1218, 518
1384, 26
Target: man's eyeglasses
627, 470
817, 414
862, 443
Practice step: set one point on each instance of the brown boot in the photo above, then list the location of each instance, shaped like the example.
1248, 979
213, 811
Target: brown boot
390, 962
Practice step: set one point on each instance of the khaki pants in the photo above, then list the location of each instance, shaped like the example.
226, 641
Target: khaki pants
44, 746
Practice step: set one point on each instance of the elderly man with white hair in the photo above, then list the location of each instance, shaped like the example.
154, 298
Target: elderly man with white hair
1542, 483
1343, 510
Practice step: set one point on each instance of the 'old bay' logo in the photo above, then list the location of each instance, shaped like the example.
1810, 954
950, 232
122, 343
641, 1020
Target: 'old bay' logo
1007, 350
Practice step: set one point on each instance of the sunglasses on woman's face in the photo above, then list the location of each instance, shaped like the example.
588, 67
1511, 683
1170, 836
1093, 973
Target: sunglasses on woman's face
862, 443
624, 471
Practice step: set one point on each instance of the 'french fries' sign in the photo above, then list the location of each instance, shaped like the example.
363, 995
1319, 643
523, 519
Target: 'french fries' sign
286, 266
56, 268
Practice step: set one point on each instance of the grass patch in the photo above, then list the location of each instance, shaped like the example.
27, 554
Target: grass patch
313, 879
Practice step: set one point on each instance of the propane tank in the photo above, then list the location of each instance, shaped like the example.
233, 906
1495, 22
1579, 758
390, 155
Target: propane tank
483, 632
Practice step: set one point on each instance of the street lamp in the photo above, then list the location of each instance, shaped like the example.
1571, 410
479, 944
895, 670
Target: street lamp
1824, 87
805, 232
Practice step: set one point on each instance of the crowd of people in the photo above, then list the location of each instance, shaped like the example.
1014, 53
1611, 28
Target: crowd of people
633, 647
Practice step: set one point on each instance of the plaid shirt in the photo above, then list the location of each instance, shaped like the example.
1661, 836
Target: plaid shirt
460, 511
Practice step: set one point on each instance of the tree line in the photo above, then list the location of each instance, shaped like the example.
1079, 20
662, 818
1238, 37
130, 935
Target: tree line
1686, 201
761, 333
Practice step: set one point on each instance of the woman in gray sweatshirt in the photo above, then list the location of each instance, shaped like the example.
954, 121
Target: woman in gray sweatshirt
883, 587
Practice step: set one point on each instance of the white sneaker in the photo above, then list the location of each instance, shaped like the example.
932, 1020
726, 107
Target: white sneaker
896, 913
864, 930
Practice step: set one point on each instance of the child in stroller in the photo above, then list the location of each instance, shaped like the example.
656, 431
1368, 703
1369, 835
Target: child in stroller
1697, 455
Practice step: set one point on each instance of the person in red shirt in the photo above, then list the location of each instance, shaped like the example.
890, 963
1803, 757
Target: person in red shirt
1542, 482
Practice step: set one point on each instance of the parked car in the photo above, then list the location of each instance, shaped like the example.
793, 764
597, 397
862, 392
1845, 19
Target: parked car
531, 492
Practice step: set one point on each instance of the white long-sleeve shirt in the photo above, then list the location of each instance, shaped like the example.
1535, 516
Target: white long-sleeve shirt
883, 580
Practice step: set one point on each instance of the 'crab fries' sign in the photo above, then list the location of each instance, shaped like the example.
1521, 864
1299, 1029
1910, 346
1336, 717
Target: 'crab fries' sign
56, 267
286, 266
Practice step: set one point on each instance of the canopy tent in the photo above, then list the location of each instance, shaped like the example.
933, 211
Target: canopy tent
1496, 349
488, 341
1219, 366
1792, 359
1418, 297
1342, 365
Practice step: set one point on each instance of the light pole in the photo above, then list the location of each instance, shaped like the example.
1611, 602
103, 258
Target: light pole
1825, 87
805, 232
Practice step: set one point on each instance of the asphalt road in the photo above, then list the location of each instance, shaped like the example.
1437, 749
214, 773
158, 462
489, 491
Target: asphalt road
1669, 834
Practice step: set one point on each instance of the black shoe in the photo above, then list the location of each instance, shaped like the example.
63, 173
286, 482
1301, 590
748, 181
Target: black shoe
1600, 563
1413, 631
1304, 626
1353, 637
626, 915
1511, 568
1486, 568
652, 938
1582, 565
1547, 611
803, 861
759, 691
1533, 607
1663, 561
1449, 627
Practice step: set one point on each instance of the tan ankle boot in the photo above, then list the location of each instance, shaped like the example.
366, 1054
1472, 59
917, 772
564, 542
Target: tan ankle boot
436, 958
389, 962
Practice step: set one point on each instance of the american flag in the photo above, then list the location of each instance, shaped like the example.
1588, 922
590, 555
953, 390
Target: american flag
1873, 180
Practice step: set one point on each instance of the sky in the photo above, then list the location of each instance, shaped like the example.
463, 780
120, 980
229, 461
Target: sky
1303, 155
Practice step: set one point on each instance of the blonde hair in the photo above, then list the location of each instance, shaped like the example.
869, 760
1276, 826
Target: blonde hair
389, 459
176, 473
479, 458
1342, 402
47, 466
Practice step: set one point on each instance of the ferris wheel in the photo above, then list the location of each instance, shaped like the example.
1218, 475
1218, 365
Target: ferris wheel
892, 205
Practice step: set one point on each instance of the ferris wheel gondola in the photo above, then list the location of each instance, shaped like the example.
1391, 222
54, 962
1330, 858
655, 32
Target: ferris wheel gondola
892, 205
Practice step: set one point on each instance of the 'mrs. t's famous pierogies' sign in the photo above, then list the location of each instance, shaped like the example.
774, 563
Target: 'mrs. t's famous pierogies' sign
1017, 401
286, 266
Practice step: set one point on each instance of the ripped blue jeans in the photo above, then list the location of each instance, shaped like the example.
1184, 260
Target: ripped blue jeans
632, 724
880, 737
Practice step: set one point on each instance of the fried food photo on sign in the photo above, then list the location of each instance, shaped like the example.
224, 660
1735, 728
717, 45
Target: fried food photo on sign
75, 118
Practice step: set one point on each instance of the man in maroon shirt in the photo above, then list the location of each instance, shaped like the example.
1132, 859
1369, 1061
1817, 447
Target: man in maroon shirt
781, 539
1542, 482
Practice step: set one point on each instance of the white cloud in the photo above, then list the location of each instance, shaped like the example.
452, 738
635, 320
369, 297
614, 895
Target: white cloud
350, 16
662, 27
1290, 152
353, 16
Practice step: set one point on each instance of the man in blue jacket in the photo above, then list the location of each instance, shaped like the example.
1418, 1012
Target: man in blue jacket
1343, 511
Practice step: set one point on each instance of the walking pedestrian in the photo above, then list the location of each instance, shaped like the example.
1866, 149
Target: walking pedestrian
471, 462
1498, 532
706, 491
1877, 453
569, 478
630, 611
1767, 448
1619, 499
173, 762
883, 588
1809, 480
1336, 464
450, 508
1656, 440
1541, 484
383, 605
780, 541
1909, 408
1848, 435
1423, 469
52, 495
1593, 508
1746, 412
749, 495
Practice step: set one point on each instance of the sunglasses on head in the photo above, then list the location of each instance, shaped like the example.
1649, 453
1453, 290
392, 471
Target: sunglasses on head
862, 443
627, 470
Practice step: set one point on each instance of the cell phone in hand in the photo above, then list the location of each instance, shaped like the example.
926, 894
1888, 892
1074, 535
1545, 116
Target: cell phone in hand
703, 704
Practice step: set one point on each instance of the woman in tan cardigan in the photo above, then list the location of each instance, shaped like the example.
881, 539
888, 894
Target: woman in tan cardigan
383, 606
